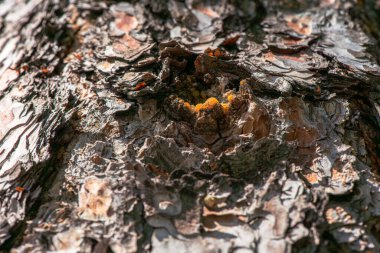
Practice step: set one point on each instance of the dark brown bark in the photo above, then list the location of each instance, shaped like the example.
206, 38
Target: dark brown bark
190, 126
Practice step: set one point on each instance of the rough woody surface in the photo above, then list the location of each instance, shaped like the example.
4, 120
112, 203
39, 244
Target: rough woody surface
190, 126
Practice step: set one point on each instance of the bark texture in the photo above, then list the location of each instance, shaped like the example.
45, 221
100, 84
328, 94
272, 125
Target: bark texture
190, 126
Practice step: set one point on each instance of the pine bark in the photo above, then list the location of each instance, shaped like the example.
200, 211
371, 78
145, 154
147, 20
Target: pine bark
189, 126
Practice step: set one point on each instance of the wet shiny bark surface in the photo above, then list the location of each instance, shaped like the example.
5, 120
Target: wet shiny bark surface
190, 126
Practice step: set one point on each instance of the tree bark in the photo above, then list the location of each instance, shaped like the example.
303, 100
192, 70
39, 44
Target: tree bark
190, 126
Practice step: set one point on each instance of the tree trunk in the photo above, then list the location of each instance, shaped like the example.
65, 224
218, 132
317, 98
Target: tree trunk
190, 126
